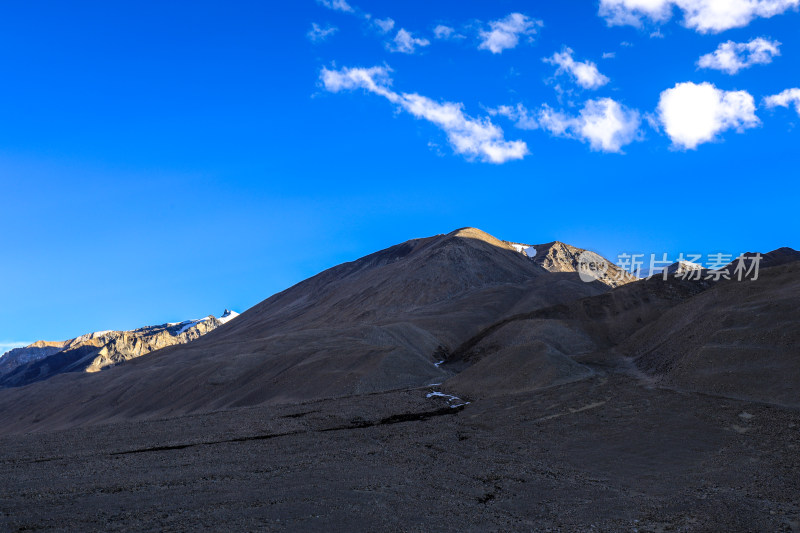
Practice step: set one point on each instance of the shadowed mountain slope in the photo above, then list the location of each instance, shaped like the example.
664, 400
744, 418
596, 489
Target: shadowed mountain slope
500, 322
732, 338
378, 323
739, 339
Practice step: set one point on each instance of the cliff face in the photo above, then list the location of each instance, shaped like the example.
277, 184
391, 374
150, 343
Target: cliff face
95, 351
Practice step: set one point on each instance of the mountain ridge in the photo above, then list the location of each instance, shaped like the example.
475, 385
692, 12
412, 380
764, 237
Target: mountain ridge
93, 352
382, 322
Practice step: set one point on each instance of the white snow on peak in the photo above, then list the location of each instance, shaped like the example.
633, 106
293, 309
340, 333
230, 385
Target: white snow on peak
227, 316
186, 325
689, 265
189, 324
89, 336
525, 249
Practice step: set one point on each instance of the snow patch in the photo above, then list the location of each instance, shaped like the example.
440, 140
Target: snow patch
189, 324
227, 316
524, 249
689, 265
452, 400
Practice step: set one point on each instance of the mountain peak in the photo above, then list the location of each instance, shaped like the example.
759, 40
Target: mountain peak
478, 234
227, 316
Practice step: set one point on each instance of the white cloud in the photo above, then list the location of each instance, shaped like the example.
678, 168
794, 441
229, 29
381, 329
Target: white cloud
523, 119
318, 33
584, 73
732, 57
474, 138
609, 55
337, 5
384, 25
784, 99
446, 32
705, 16
693, 114
406, 43
505, 33
605, 124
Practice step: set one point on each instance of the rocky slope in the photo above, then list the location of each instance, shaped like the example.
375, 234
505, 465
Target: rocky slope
560, 257
473, 313
739, 339
375, 324
95, 351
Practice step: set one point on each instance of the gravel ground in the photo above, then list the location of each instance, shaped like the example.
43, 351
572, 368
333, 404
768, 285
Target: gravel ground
605, 454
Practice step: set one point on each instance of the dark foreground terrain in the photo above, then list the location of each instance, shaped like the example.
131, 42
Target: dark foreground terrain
609, 453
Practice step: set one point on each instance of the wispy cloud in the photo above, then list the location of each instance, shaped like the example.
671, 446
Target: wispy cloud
732, 57
405, 43
337, 5
318, 33
522, 117
693, 114
704, 16
505, 33
784, 99
474, 138
446, 32
605, 124
384, 25
584, 73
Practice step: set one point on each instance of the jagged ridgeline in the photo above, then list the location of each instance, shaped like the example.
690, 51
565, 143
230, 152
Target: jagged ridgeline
95, 351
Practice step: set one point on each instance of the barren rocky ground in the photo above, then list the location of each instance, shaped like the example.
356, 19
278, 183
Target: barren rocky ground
609, 453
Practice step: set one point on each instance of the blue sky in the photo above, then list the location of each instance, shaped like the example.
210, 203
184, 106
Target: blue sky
163, 161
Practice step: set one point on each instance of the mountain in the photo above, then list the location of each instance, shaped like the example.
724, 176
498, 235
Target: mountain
560, 257
448, 383
378, 323
683, 267
93, 352
481, 315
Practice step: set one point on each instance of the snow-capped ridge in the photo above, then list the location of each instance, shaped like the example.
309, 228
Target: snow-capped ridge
227, 316
105, 348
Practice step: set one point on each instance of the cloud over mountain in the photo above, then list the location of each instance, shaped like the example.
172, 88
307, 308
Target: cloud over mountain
584, 73
472, 137
605, 124
731, 57
405, 43
317, 33
505, 33
693, 114
337, 5
704, 16
784, 99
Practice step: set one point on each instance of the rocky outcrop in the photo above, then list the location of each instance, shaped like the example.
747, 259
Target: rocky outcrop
561, 257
